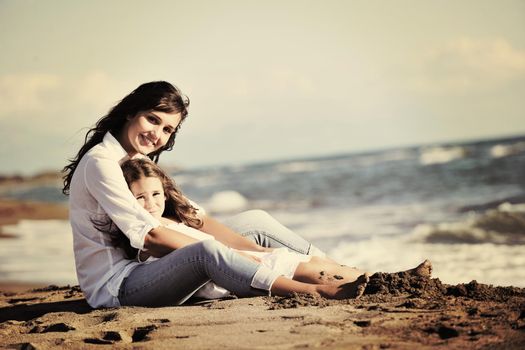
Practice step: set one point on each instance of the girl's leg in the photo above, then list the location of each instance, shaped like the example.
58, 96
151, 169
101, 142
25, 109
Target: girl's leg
286, 286
263, 229
176, 276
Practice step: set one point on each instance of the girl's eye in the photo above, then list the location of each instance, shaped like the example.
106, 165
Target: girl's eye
156, 194
168, 130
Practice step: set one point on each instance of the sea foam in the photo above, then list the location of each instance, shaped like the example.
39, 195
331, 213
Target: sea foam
504, 150
501, 265
504, 225
441, 155
226, 202
42, 251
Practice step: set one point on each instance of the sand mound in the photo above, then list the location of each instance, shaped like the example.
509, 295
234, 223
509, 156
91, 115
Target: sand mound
483, 292
402, 283
296, 300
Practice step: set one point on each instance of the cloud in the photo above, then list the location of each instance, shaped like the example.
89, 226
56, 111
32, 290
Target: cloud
46, 116
43, 98
97, 88
26, 92
468, 64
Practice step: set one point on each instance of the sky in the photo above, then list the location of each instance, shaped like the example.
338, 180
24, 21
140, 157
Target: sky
266, 79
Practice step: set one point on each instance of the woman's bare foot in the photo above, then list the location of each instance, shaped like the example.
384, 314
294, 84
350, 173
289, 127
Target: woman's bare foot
348, 290
422, 270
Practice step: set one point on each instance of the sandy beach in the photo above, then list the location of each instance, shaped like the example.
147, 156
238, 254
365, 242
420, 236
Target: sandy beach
412, 315
398, 311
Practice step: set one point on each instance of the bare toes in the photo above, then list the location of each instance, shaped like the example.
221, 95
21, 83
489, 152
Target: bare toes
424, 269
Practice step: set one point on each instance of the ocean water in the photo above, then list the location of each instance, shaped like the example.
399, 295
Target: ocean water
460, 205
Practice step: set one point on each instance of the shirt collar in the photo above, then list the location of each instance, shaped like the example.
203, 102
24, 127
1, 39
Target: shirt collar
116, 149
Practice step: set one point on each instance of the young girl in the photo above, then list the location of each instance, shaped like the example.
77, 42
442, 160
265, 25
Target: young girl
144, 124
156, 192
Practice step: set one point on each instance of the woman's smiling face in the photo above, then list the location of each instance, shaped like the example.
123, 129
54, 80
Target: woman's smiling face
148, 131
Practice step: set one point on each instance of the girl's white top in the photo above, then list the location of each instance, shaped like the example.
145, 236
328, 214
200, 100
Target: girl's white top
98, 188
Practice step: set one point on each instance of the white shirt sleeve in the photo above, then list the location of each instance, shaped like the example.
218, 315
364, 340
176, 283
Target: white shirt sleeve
105, 182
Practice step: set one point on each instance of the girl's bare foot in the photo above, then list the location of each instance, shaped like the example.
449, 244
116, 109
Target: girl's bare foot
422, 270
348, 290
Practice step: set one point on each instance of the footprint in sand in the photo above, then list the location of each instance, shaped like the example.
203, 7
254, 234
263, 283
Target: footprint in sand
141, 333
57, 327
110, 337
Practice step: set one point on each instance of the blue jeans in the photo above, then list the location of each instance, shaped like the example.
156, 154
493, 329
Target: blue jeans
172, 279
263, 229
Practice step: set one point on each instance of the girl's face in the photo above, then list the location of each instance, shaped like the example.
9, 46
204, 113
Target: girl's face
150, 194
148, 131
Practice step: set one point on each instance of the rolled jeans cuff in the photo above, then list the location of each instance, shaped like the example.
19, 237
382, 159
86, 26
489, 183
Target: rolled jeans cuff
314, 251
264, 278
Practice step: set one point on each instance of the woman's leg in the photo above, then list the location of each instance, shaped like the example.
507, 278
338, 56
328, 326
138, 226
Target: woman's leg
176, 276
323, 271
286, 286
263, 229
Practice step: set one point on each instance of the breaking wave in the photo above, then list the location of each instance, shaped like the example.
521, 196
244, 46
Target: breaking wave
504, 225
441, 155
504, 150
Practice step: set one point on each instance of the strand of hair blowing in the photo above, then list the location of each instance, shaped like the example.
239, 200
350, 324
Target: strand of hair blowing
157, 95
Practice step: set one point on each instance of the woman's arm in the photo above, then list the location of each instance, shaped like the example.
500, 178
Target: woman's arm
162, 240
227, 236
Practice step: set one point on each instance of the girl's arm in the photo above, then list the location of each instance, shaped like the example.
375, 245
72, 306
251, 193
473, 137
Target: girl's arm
227, 236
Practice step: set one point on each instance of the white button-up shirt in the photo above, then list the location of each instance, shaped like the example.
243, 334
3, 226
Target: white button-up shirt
97, 189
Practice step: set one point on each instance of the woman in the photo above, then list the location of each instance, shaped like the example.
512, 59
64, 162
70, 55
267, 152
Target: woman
145, 123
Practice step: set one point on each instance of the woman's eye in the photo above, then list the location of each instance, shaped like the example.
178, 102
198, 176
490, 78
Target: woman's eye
156, 194
152, 119
168, 130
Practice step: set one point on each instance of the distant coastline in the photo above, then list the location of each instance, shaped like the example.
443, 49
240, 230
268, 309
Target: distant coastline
41, 178
12, 211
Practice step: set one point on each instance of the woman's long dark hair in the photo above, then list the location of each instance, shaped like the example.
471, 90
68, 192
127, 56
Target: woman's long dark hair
177, 206
154, 96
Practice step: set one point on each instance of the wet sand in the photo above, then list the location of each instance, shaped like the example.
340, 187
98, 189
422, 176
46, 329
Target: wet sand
396, 312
